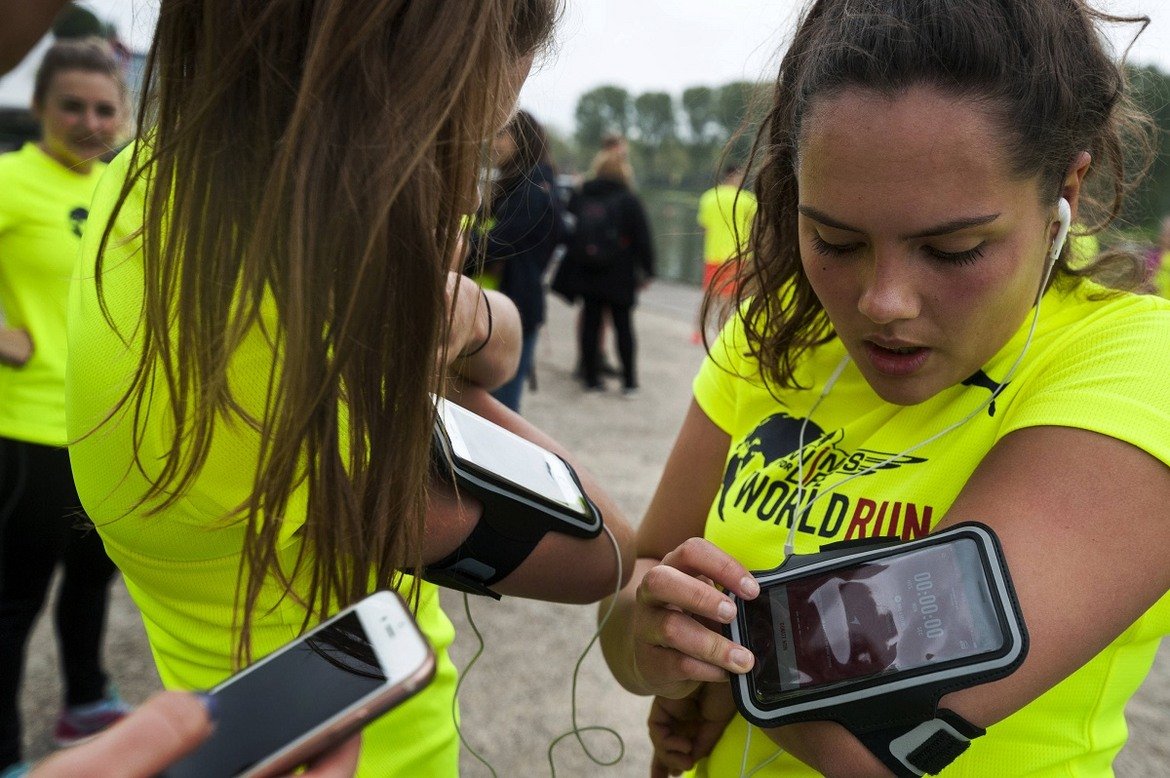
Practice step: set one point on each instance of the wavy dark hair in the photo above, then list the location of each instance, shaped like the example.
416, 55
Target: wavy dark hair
532, 149
312, 157
1039, 66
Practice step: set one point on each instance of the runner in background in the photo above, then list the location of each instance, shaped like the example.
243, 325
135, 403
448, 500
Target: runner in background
45, 192
725, 216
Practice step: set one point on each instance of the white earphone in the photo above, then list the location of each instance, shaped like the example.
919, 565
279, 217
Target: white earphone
1064, 213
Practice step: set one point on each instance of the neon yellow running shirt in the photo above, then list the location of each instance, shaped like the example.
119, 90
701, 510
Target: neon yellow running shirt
1088, 367
181, 566
43, 207
723, 217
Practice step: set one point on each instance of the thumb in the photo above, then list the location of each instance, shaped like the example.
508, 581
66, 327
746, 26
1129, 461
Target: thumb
166, 727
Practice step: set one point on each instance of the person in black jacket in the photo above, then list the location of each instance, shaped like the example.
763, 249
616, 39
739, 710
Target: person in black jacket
519, 232
612, 258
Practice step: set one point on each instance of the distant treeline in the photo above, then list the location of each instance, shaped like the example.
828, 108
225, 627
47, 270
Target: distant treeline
678, 143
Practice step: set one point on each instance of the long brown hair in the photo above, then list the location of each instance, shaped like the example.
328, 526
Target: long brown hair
314, 158
1039, 66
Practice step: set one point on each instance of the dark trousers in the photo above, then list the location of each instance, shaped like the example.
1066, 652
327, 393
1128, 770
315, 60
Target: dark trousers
41, 525
509, 394
621, 316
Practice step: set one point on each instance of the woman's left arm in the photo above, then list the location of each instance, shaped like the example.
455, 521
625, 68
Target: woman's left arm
1083, 522
562, 568
483, 347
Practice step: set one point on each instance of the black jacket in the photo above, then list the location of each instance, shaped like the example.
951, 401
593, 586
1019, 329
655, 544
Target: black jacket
525, 230
618, 282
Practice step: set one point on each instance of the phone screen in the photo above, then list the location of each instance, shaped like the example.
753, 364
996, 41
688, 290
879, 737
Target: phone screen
924, 607
274, 703
496, 450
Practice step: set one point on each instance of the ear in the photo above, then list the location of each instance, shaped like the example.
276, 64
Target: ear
1073, 179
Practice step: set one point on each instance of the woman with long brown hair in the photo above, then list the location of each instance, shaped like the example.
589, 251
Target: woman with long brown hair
256, 335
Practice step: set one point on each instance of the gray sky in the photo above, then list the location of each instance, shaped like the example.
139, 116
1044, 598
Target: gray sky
643, 45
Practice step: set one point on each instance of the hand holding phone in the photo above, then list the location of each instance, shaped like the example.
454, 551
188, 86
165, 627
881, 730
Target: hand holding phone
158, 733
314, 693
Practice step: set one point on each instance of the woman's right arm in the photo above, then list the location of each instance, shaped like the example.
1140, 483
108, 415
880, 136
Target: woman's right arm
16, 347
663, 637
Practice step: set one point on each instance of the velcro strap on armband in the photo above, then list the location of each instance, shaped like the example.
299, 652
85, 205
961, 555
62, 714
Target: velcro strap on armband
926, 748
485, 557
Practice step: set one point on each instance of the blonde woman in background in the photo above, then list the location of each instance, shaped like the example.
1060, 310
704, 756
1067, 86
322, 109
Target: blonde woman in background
45, 190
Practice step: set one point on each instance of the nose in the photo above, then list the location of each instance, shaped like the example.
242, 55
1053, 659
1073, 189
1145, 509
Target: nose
91, 121
889, 290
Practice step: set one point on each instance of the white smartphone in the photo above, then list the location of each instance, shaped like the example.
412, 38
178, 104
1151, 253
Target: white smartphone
497, 462
314, 693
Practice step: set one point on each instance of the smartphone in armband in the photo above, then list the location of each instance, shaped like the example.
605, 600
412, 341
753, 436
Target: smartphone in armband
314, 693
873, 634
525, 487
526, 491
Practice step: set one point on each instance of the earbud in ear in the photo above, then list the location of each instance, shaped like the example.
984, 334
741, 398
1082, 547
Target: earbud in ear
1064, 214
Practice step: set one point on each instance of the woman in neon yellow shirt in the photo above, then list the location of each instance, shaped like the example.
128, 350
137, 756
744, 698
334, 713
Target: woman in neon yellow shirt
905, 357
255, 337
45, 191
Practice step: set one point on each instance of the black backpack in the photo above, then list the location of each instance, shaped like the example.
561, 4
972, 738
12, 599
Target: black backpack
597, 239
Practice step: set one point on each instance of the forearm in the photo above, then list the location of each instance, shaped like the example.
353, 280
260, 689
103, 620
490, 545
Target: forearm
829, 748
493, 352
15, 347
25, 21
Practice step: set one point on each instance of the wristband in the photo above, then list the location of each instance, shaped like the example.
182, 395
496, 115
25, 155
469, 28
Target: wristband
487, 304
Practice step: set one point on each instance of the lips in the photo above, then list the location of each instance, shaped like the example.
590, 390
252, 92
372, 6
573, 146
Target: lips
896, 358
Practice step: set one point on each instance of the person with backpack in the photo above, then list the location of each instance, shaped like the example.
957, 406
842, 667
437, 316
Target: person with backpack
613, 257
517, 234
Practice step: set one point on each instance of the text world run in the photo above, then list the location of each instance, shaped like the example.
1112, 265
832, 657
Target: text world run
774, 500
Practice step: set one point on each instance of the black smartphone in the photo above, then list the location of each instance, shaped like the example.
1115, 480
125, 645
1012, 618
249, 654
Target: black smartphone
846, 626
314, 693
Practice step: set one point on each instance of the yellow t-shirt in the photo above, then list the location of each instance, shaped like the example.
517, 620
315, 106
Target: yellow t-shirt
1087, 367
43, 206
1162, 278
181, 566
722, 217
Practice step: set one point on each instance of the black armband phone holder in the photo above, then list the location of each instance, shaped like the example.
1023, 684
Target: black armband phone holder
871, 634
525, 490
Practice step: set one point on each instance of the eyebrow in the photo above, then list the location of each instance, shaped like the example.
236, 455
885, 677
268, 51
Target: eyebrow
932, 232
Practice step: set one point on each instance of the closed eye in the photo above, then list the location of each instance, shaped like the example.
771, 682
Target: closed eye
956, 257
822, 246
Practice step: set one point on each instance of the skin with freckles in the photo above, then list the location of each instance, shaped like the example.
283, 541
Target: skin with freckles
916, 240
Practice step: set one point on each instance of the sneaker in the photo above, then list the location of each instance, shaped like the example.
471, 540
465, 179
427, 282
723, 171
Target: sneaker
81, 722
630, 391
598, 387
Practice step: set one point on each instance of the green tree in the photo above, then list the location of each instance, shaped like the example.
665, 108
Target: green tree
657, 130
705, 134
1151, 202
602, 110
739, 109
